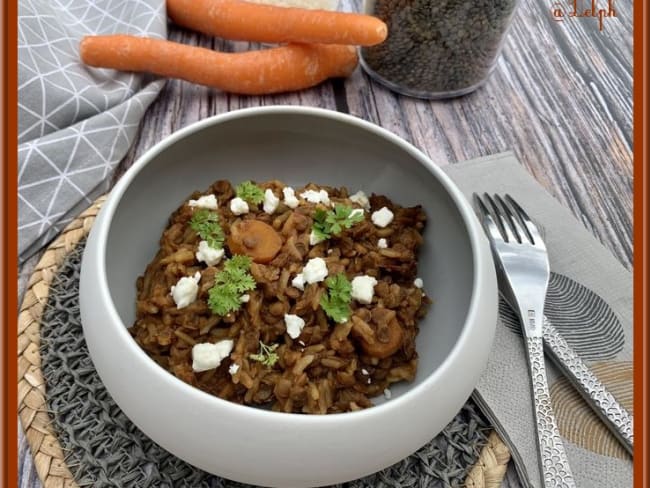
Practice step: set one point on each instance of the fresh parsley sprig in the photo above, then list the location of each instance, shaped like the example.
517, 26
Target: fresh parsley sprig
267, 355
250, 192
336, 302
230, 284
206, 224
328, 223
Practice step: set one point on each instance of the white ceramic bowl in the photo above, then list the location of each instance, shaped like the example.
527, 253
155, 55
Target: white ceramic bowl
295, 145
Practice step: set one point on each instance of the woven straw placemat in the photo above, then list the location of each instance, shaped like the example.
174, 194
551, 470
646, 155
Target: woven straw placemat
51, 458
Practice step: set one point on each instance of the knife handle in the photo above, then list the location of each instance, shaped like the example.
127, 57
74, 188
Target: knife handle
608, 409
556, 472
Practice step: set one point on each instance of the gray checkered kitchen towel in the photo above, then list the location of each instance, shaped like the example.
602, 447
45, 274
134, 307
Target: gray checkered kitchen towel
74, 123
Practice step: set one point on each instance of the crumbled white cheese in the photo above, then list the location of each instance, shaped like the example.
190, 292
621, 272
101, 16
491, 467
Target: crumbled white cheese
363, 288
271, 202
356, 211
314, 239
314, 196
315, 270
387, 393
298, 282
360, 198
206, 201
245, 298
301, 343
207, 356
364, 371
185, 290
382, 243
234, 367
382, 217
238, 206
209, 255
369, 380
290, 199
418, 282
294, 325
324, 197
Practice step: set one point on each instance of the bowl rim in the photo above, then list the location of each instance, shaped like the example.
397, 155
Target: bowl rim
470, 222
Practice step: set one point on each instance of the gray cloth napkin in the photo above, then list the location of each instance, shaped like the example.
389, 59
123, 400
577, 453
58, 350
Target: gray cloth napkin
590, 302
74, 123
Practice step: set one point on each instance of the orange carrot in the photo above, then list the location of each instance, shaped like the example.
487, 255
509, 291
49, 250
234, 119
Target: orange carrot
248, 21
255, 239
280, 69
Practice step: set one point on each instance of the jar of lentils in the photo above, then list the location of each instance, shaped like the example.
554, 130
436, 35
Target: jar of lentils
437, 48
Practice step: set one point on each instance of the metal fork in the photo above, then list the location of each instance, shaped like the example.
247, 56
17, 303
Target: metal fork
522, 263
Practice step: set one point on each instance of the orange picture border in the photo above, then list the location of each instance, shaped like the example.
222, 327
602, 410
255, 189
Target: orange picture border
9, 247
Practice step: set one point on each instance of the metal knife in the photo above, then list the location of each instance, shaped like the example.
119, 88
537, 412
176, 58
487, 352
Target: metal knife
595, 393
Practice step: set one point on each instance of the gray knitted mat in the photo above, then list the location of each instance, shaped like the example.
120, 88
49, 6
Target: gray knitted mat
106, 450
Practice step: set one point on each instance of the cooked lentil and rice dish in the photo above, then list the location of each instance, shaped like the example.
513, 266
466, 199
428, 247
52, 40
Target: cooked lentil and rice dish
302, 300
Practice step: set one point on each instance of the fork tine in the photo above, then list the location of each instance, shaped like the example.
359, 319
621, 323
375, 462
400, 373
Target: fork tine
512, 217
506, 229
531, 228
489, 225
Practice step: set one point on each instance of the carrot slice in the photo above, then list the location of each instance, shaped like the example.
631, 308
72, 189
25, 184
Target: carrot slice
280, 69
247, 21
256, 239
383, 350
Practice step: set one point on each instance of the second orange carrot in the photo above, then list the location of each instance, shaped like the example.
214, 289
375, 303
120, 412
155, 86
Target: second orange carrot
280, 69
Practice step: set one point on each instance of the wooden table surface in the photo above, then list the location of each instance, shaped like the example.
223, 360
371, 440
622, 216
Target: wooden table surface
560, 98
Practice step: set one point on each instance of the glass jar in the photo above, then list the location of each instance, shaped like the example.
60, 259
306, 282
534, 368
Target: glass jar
437, 48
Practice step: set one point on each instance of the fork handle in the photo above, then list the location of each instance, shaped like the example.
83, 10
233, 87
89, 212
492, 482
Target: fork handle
556, 472
608, 409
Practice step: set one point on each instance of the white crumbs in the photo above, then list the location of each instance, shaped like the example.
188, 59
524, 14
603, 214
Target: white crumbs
363, 288
234, 367
185, 290
238, 206
294, 325
356, 211
290, 199
387, 394
206, 201
360, 198
207, 356
271, 202
382, 243
364, 371
418, 283
298, 282
314, 196
382, 217
209, 255
245, 298
315, 270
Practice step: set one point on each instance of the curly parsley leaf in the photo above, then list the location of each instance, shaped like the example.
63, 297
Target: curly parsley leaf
267, 355
206, 224
332, 222
229, 285
336, 302
250, 192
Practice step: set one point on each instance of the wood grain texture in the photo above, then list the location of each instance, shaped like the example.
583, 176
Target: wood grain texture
560, 98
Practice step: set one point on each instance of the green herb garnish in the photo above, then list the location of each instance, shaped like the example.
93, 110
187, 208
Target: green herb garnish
332, 222
267, 355
206, 224
250, 192
229, 285
336, 302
